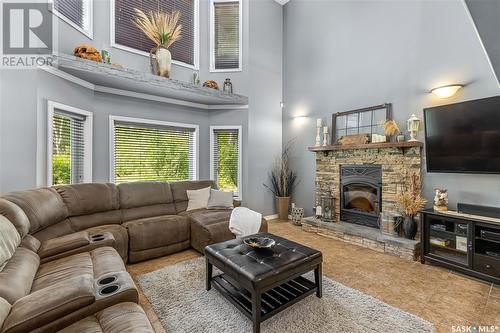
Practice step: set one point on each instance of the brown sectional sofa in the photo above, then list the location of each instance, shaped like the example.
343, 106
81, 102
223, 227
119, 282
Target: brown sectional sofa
68, 268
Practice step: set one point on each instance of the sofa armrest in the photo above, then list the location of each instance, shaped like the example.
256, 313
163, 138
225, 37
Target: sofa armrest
62, 244
49, 304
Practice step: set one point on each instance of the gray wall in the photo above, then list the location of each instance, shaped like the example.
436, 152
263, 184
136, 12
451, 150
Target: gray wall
24, 96
343, 55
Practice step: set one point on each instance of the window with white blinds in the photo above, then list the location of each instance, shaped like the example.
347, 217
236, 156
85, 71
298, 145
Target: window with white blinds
127, 35
77, 13
225, 158
70, 144
153, 151
225, 39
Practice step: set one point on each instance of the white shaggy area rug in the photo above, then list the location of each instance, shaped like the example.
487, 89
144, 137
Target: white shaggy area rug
179, 299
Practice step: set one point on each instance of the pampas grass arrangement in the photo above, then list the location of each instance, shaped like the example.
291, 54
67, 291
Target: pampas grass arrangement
160, 27
390, 128
410, 202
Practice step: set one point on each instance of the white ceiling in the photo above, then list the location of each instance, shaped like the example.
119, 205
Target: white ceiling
282, 2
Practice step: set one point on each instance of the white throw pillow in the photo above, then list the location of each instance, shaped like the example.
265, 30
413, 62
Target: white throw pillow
198, 198
220, 200
9, 241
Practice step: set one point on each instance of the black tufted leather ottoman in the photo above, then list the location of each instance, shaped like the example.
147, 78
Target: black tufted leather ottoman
263, 282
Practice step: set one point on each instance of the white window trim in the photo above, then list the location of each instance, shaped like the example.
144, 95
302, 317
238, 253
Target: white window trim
196, 30
212, 38
87, 32
240, 155
113, 119
87, 138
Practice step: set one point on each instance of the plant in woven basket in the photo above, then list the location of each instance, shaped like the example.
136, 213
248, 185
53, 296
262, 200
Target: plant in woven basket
161, 28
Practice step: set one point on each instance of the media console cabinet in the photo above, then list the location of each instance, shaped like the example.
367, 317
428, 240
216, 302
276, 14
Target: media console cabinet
469, 244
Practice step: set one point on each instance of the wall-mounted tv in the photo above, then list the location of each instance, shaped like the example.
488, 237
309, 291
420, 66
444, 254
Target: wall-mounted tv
463, 137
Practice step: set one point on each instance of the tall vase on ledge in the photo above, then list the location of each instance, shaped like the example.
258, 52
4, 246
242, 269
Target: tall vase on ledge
282, 205
161, 61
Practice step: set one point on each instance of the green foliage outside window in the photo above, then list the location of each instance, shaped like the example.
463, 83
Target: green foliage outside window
227, 166
61, 150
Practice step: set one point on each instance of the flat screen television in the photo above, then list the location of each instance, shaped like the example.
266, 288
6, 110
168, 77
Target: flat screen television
463, 137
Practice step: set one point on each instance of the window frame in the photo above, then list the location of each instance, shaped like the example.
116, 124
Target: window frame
240, 155
87, 138
212, 37
88, 33
114, 118
196, 30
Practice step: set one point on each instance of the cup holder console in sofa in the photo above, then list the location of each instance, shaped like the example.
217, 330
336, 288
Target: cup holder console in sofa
108, 290
106, 280
116, 284
98, 237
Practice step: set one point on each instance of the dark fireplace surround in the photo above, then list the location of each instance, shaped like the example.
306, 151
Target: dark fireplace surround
361, 194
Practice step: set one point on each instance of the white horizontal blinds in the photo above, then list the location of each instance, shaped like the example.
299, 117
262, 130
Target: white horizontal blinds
226, 153
73, 10
227, 36
68, 148
127, 34
146, 152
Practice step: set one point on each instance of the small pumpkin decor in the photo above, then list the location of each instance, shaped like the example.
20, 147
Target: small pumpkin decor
211, 84
86, 51
162, 29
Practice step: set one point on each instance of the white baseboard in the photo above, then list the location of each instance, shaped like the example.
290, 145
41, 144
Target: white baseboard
275, 216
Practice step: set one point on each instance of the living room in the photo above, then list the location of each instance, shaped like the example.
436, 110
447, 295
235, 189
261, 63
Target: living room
249, 165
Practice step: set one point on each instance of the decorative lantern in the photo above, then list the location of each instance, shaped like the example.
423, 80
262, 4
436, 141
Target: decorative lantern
413, 127
328, 208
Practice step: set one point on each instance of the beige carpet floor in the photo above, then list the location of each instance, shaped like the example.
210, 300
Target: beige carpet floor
178, 296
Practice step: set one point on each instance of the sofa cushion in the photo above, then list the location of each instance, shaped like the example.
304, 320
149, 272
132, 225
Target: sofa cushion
82, 222
83, 199
9, 240
208, 216
4, 310
49, 304
17, 276
180, 195
157, 231
59, 229
16, 216
43, 206
138, 194
121, 318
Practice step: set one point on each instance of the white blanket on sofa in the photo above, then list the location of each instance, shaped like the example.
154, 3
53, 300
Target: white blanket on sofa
244, 222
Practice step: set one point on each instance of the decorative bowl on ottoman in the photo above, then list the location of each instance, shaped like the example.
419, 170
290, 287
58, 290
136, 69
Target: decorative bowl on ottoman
259, 242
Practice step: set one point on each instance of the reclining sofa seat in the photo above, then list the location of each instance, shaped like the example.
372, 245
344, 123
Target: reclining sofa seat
50, 296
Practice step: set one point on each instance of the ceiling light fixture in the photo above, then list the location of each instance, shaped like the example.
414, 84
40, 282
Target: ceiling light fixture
446, 91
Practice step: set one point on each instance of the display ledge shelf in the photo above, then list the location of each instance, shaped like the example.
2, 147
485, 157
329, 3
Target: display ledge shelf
128, 82
378, 145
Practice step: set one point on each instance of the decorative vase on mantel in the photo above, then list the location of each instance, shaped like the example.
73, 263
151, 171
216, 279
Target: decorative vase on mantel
409, 227
282, 204
161, 61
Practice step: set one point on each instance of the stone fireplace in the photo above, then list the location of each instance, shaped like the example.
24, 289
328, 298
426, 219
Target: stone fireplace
365, 180
361, 194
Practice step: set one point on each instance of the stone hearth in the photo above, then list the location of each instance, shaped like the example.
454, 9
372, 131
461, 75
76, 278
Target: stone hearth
364, 236
397, 164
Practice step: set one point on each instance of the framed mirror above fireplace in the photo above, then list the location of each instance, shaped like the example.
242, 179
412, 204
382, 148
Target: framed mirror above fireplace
361, 194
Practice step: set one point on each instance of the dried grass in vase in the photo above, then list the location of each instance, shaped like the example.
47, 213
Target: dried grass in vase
410, 202
160, 27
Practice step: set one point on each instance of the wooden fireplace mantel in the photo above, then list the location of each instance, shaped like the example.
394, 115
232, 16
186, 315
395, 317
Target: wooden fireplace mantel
378, 145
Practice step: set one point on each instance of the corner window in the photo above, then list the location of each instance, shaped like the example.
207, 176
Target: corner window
225, 35
77, 13
225, 158
150, 150
125, 35
69, 145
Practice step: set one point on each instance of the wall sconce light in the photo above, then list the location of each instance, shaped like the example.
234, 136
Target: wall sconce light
446, 91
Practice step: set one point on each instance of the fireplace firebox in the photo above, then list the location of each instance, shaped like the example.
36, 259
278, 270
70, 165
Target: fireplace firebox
361, 194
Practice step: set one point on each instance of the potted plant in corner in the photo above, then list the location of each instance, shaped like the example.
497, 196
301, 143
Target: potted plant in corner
162, 29
283, 180
409, 203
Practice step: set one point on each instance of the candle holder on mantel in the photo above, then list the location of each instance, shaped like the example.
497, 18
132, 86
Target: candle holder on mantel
318, 131
325, 136
328, 208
